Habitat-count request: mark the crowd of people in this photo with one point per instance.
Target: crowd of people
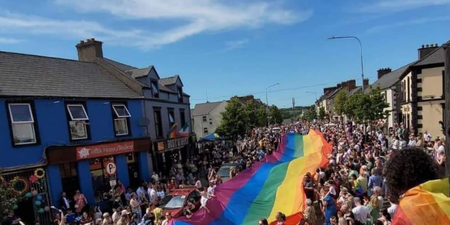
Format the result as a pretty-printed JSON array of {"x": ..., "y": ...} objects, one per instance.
[{"x": 367, "y": 173}]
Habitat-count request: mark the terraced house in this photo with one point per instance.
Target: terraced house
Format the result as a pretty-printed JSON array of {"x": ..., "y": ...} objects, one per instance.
[{"x": 85, "y": 124}]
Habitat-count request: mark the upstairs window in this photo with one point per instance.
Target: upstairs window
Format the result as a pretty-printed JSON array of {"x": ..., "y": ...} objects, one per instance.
[
  {"x": 204, "y": 118},
  {"x": 121, "y": 119},
  {"x": 182, "y": 118},
  {"x": 22, "y": 123},
  {"x": 155, "y": 89},
  {"x": 158, "y": 125},
  {"x": 205, "y": 130},
  {"x": 180, "y": 94},
  {"x": 78, "y": 121}
]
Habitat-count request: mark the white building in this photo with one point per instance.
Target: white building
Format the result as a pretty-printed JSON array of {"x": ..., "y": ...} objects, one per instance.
[{"x": 206, "y": 117}]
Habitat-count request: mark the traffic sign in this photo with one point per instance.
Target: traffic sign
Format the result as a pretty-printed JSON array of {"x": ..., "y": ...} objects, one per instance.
[{"x": 111, "y": 168}]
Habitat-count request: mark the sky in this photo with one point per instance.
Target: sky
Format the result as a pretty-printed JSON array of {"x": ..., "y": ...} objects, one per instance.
[{"x": 223, "y": 48}]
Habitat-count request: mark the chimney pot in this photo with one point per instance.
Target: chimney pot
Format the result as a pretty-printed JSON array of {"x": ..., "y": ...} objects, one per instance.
[
  {"x": 381, "y": 72},
  {"x": 423, "y": 46},
  {"x": 423, "y": 52},
  {"x": 81, "y": 42}
]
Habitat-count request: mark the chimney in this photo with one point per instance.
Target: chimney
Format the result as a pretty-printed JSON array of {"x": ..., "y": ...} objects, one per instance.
[
  {"x": 426, "y": 50},
  {"x": 366, "y": 83},
  {"x": 351, "y": 84},
  {"x": 383, "y": 71},
  {"x": 89, "y": 50}
]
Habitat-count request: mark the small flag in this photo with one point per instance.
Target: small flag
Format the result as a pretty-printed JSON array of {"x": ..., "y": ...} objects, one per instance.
[
  {"x": 173, "y": 131},
  {"x": 184, "y": 131}
]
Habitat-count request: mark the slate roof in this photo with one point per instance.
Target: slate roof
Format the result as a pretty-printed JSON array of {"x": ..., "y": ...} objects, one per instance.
[
  {"x": 169, "y": 80},
  {"x": 204, "y": 108},
  {"x": 118, "y": 65},
  {"x": 136, "y": 73},
  {"x": 30, "y": 75},
  {"x": 435, "y": 57},
  {"x": 389, "y": 79},
  {"x": 354, "y": 91},
  {"x": 333, "y": 93}
]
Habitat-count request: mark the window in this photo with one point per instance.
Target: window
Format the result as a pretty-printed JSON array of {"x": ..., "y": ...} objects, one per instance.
[
  {"x": 121, "y": 119},
  {"x": 204, "y": 118},
  {"x": 158, "y": 125},
  {"x": 78, "y": 121},
  {"x": 69, "y": 178},
  {"x": 155, "y": 89},
  {"x": 101, "y": 180},
  {"x": 171, "y": 118},
  {"x": 205, "y": 130},
  {"x": 22, "y": 123},
  {"x": 182, "y": 118},
  {"x": 180, "y": 94}
]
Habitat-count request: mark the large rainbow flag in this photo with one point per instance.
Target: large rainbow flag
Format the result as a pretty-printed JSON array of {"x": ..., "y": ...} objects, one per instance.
[
  {"x": 268, "y": 187},
  {"x": 428, "y": 203}
]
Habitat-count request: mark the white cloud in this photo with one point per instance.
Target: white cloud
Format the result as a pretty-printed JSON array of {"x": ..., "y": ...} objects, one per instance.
[
  {"x": 409, "y": 23},
  {"x": 200, "y": 16},
  {"x": 236, "y": 44},
  {"x": 398, "y": 5},
  {"x": 9, "y": 40}
]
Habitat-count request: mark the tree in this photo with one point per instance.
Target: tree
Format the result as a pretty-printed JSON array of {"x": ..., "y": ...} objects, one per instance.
[
  {"x": 366, "y": 108},
  {"x": 250, "y": 111},
  {"x": 234, "y": 121},
  {"x": 339, "y": 102},
  {"x": 275, "y": 115},
  {"x": 311, "y": 114},
  {"x": 261, "y": 116},
  {"x": 321, "y": 113}
]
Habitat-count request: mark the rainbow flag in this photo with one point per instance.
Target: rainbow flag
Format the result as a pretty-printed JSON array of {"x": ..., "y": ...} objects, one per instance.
[
  {"x": 428, "y": 203},
  {"x": 184, "y": 131},
  {"x": 173, "y": 131},
  {"x": 268, "y": 187}
]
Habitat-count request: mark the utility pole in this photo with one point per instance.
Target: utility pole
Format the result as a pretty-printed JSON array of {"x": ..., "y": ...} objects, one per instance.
[{"x": 447, "y": 107}]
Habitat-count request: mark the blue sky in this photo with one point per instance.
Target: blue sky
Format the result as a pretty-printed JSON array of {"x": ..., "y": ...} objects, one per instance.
[{"x": 223, "y": 48}]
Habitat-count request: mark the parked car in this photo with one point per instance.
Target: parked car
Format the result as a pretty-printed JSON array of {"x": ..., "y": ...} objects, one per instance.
[
  {"x": 224, "y": 171},
  {"x": 175, "y": 201}
]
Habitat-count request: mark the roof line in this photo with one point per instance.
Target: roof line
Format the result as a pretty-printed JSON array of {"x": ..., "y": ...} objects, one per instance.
[{"x": 43, "y": 56}]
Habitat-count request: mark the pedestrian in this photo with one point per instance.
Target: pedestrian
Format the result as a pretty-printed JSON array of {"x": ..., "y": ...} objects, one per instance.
[
  {"x": 280, "y": 218},
  {"x": 80, "y": 201},
  {"x": 309, "y": 213},
  {"x": 263, "y": 222},
  {"x": 360, "y": 212},
  {"x": 328, "y": 204}
]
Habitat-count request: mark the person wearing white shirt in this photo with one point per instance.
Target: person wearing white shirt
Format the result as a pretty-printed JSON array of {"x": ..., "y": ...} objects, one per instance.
[
  {"x": 155, "y": 177},
  {"x": 211, "y": 189},
  {"x": 140, "y": 191},
  {"x": 427, "y": 136},
  {"x": 204, "y": 200},
  {"x": 360, "y": 212},
  {"x": 391, "y": 210},
  {"x": 396, "y": 143},
  {"x": 151, "y": 193}
]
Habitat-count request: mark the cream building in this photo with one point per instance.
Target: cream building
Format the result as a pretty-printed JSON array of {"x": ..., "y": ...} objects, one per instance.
[
  {"x": 206, "y": 117},
  {"x": 423, "y": 92}
]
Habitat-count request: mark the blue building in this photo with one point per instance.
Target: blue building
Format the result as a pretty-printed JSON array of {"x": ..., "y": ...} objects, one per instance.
[{"x": 69, "y": 125}]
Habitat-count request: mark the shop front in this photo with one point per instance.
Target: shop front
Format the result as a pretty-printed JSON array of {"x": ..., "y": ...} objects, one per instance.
[
  {"x": 96, "y": 169},
  {"x": 169, "y": 152}
]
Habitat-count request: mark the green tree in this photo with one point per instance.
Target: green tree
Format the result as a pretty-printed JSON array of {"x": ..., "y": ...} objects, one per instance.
[
  {"x": 251, "y": 115},
  {"x": 322, "y": 113},
  {"x": 366, "y": 108},
  {"x": 234, "y": 121},
  {"x": 311, "y": 114},
  {"x": 275, "y": 115},
  {"x": 261, "y": 115},
  {"x": 339, "y": 102}
]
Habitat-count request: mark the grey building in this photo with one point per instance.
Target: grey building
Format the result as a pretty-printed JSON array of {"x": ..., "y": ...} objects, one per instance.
[{"x": 166, "y": 106}]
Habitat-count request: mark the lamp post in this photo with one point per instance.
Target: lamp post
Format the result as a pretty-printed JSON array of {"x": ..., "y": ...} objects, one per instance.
[
  {"x": 361, "y": 53},
  {"x": 267, "y": 101}
]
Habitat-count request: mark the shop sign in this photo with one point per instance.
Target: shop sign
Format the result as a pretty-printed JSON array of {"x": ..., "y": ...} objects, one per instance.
[
  {"x": 111, "y": 168},
  {"x": 177, "y": 143},
  {"x": 94, "y": 151}
]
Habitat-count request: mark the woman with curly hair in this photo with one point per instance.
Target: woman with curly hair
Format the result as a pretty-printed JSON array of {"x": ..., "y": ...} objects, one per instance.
[{"x": 408, "y": 168}]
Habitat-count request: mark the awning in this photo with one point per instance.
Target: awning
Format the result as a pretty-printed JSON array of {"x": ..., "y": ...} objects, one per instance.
[{"x": 212, "y": 137}]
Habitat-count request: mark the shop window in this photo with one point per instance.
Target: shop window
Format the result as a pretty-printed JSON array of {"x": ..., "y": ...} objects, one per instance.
[
  {"x": 155, "y": 89},
  {"x": 205, "y": 130},
  {"x": 121, "y": 119},
  {"x": 78, "y": 122},
  {"x": 158, "y": 125},
  {"x": 69, "y": 178},
  {"x": 182, "y": 118},
  {"x": 180, "y": 94},
  {"x": 171, "y": 118},
  {"x": 22, "y": 123},
  {"x": 103, "y": 174}
]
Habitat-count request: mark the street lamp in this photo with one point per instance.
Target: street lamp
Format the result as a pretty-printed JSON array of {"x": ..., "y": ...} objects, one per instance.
[
  {"x": 267, "y": 101},
  {"x": 361, "y": 52}
]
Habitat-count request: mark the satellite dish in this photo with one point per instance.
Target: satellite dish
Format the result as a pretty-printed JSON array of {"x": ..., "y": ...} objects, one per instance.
[{"x": 144, "y": 121}]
